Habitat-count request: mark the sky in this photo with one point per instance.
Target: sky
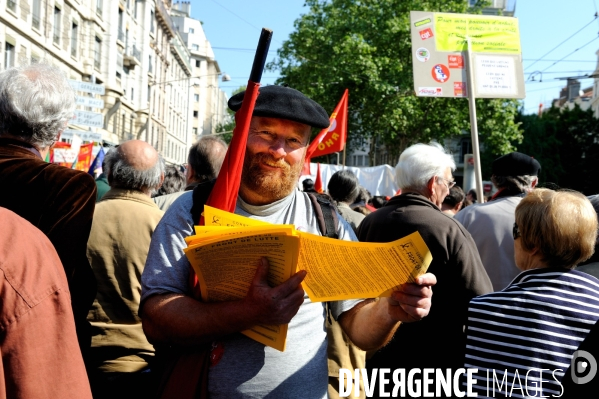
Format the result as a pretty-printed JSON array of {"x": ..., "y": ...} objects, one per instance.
[{"x": 559, "y": 39}]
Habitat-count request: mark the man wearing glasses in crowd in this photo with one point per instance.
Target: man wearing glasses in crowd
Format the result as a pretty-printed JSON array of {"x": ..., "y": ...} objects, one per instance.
[{"x": 424, "y": 175}]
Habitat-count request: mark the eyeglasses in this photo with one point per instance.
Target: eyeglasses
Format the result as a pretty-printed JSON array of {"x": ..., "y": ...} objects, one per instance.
[
  {"x": 448, "y": 183},
  {"x": 516, "y": 231}
]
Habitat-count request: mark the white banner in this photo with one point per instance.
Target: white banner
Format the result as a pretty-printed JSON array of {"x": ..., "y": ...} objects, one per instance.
[
  {"x": 89, "y": 102},
  {"x": 378, "y": 180},
  {"x": 86, "y": 87},
  {"x": 86, "y": 118},
  {"x": 84, "y": 134}
]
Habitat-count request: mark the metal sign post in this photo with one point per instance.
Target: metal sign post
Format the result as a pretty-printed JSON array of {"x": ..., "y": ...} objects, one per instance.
[{"x": 474, "y": 126}]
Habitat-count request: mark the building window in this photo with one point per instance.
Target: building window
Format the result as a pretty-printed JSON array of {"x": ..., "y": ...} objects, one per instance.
[
  {"x": 195, "y": 47},
  {"x": 9, "y": 55},
  {"x": 196, "y": 98},
  {"x": 121, "y": 33},
  {"x": 150, "y": 69},
  {"x": 74, "y": 39},
  {"x": 35, "y": 13},
  {"x": 57, "y": 25},
  {"x": 11, "y": 5},
  {"x": 195, "y": 130},
  {"x": 198, "y": 63},
  {"x": 191, "y": 30},
  {"x": 132, "y": 95},
  {"x": 97, "y": 52},
  {"x": 99, "y": 7},
  {"x": 195, "y": 114},
  {"x": 152, "y": 21}
]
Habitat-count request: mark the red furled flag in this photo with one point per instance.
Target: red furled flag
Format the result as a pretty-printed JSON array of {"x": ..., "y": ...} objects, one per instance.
[
  {"x": 318, "y": 183},
  {"x": 224, "y": 193},
  {"x": 226, "y": 188},
  {"x": 334, "y": 137}
]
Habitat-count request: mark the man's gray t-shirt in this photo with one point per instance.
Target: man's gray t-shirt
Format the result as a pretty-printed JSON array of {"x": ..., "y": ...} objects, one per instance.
[{"x": 248, "y": 368}]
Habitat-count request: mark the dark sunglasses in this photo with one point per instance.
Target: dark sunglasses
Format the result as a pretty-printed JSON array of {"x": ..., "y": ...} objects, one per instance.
[{"x": 516, "y": 231}]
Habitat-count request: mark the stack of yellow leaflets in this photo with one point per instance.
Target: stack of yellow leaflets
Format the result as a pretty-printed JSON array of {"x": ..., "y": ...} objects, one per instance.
[{"x": 225, "y": 255}]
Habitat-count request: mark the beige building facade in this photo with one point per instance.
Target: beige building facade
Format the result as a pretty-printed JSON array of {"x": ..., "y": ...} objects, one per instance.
[{"x": 132, "y": 52}]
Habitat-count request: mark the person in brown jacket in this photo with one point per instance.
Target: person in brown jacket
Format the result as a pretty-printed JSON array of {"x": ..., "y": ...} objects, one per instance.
[
  {"x": 36, "y": 103},
  {"x": 38, "y": 344}
]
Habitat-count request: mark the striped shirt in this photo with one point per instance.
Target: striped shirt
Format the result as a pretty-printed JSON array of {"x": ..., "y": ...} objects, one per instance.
[{"x": 521, "y": 339}]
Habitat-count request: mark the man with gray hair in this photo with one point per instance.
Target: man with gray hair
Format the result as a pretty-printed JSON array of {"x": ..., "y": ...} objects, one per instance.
[
  {"x": 204, "y": 161},
  {"x": 491, "y": 223},
  {"x": 36, "y": 104},
  {"x": 424, "y": 176},
  {"x": 118, "y": 245}
]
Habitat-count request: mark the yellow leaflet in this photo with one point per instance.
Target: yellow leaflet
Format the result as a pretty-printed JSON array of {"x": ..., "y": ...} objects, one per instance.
[
  {"x": 217, "y": 217},
  {"x": 226, "y": 266},
  {"x": 339, "y": 270},
  {"x": 208, "y": 233},
  {"x": 488, "y": 34}
]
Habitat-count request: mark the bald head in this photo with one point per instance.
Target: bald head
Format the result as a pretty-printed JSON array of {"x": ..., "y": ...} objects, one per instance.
[
  {"x": 205, "y": 159},
  {"x": 135, "y": 165},
  {"x": 138, "y": 154}
]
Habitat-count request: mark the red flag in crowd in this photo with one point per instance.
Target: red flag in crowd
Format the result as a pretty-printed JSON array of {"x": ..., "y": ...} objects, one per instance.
[
  {"x": 331, "y": 139},
  {"x": 318, "y": 183},
  {"x": 334, "y": 137}
]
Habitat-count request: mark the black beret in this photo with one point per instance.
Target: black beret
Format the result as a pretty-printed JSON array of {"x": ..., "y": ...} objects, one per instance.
[
  {"x": 285, "y": 103},
  {"x": 516, "y": 164}
]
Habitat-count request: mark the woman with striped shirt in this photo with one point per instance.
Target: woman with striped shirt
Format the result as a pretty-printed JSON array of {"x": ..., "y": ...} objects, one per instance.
[{"x": 522, "y": 339}]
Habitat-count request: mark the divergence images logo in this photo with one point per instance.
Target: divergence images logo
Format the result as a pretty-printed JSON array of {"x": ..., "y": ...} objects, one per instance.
[
  {"x": 440, "y": 73},
  {"x": 583, "y": 367}
]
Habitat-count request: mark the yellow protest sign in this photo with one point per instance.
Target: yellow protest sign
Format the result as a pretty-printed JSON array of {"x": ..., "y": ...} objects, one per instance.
[{"x": 488, "y": 34}]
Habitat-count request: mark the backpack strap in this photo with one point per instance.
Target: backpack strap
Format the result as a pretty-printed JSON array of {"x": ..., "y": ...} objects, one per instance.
[
  {"x": 326, "y": 214},
  {"x": 200, "y": 195}
]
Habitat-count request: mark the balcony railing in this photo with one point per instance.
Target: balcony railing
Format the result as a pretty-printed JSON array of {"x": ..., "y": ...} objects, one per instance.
[
  {"x": 163, "y": 13},
  {"x": 181, "y": 51}
]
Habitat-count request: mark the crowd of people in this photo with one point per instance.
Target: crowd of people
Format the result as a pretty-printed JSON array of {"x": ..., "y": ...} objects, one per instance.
[{"x": 98, "y": 299}]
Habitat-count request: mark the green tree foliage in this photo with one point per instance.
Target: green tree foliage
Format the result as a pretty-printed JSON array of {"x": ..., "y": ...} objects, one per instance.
[
  {"x": 566, "y": 143},
  {"x": 225, "y": 130},
  {"x": 365, "y": 46}
]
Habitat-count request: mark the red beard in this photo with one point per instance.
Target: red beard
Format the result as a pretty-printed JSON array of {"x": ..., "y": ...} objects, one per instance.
[{"x": 272, "y": 184}]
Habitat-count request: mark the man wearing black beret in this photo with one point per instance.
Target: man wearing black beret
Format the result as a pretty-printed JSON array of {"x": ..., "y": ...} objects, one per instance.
[
  {"x": 240, "y": 367},
  {"x": 491, "y": 223}
]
